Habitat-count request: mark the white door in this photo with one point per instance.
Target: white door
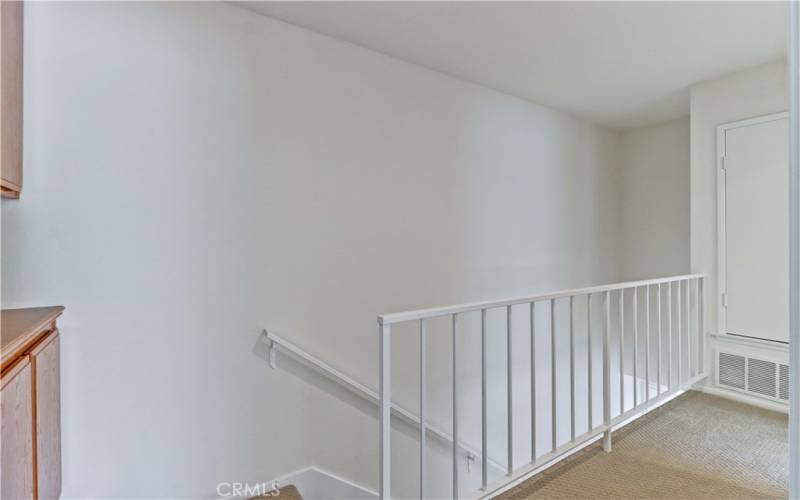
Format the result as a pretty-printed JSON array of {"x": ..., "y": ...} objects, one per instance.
[{"x": 756, "y": 232}]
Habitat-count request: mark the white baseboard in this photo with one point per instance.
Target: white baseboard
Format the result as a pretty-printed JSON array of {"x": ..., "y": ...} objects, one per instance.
[
  {"x": 743, "y": 398},
  {"x": 318, "y": 484}
]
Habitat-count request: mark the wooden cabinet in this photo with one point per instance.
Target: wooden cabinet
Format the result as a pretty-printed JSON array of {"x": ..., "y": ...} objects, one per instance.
[
  {"x": 30, "y": 408},
  {"x": 11, "y": 38},
  {"x": 47, "y": 401},
  {"x": 16, "y": 429}
]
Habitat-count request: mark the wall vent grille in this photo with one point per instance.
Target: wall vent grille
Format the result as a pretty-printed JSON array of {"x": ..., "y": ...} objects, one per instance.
[
  {"x": 731, "y": 370},
  {"x": 756, "y": 376},
  {"x": 783, "y": 382},
  {"x": 761, "y": 377}
]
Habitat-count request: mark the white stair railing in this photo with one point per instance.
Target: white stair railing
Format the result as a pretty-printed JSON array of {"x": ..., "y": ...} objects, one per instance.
[
  {"x": 278, "y": 344},
  {"x": 692, "y": 354}
]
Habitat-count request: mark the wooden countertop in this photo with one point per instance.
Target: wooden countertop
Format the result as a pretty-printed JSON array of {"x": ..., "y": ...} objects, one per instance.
[{"x": 21, "y": 328}]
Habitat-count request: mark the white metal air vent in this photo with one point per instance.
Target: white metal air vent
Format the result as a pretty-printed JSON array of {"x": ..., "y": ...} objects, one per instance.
[
  {"x": 755, "y": 376},
  {"x": 761, "y": 377},
  {"x": 783, "y": 382},
  {"x": 732, "y": 370}
]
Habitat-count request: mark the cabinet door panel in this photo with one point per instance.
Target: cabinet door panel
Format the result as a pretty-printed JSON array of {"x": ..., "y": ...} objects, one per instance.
[
  {"x": 48, "y": 416},
  {"x": 16, "y": 427},
  {"x": 11, "y": 94}
]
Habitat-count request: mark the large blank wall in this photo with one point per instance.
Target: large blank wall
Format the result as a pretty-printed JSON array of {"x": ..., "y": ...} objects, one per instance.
[
  {"x": 655, "y": 200},
  {"x": 195, "y": 172}
]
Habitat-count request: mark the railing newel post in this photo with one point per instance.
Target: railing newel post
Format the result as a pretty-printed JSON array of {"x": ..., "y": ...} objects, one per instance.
[
  {"x": 422, "y": 429},
  {"x": 385, "y": 373}
]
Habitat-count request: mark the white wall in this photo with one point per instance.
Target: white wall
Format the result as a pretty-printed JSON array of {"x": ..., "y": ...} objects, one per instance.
[
  {"x": 754, "y": 92},
  {"x": 655, "y": 200},
  {"x": 195, "y": 172}
]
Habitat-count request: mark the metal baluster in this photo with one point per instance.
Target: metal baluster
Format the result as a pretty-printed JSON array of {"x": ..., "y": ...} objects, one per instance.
[
  {"x": 702, "y": 332},
  {"x": 635, "y": 347},
  {"x": 533, "y": 382},
  {"x": 689, "y": 363},
  {"x": 510, "y": 392},
  {"x": 455, "y": 411},
  {"x": 660, "y": 339},
  {"x": 621, "y": 351},
  {"x": 572, "y": 367},
  {"x": 669, "y": 336},
  {"x": 589, "y": 356},
  {"x": 606, "y": 371},
  {"x": 680, "y": 332},
  {"x": 647, "y": 342},
  {"x": 553, "y": 371},
  {"x": 484, "y": 436}
]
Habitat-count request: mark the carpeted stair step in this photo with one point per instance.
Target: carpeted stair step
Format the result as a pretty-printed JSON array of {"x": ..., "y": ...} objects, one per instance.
[{"x": 288, "y": 492}]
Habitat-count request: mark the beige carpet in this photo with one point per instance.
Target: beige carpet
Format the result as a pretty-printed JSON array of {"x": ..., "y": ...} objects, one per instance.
[
  {"x": 286, "y": 493},
  {"x": 695, "y": 447}
]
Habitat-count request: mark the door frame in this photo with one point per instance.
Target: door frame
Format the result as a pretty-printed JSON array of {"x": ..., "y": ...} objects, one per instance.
[
  {"x": 793, "y": 56},
  {"x": 722, "y": 251}
]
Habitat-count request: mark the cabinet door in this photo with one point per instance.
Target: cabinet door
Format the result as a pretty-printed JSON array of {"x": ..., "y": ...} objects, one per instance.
[
  {"x": 46, "y": 369},
  {"x": 11, "y": 97},
  {"x": 16, "y": 429}
]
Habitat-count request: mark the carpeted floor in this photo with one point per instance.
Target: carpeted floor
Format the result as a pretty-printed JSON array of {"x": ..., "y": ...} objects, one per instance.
[{"x": 695, "y": 447}]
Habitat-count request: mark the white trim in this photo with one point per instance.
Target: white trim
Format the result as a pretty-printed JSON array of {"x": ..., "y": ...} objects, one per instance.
[
  {"x": 721, "y": 211},
  {"x": 749, "y": 342},
  {"x": 342, "y": 480},
  {"x": 780, "y": 115},
  {"x": 793, "y": 57},
  {"x": 721, "y": 238},
  {"x": 743, "y": 398}
]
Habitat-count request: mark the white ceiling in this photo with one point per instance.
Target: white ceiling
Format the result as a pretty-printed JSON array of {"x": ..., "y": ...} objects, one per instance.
[{"x": 620, "y": 64}]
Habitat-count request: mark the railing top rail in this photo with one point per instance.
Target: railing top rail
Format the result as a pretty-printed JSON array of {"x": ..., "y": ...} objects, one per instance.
[{"x": 399, "y": 317}]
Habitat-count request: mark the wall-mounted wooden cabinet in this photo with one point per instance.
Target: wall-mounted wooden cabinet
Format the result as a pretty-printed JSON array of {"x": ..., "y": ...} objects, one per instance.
[
  {"x": 30, "y": 404},
  {"x": 11, "y": 98}
]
